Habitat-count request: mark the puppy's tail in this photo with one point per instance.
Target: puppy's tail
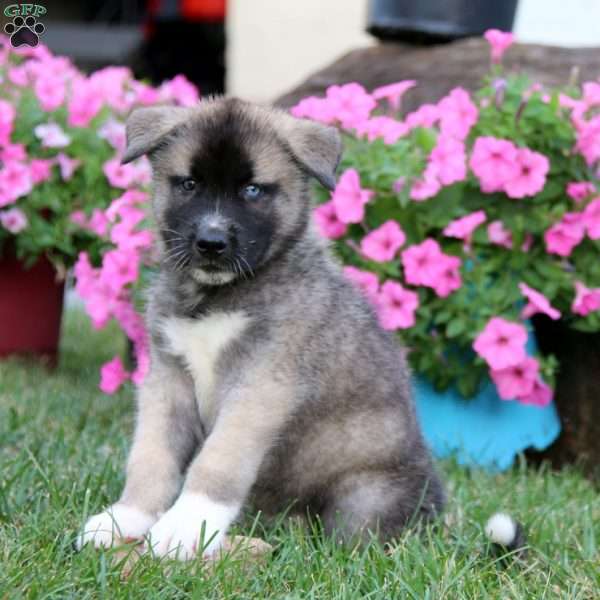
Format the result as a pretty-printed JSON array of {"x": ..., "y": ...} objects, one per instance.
[{"x": 506, "y": 533}]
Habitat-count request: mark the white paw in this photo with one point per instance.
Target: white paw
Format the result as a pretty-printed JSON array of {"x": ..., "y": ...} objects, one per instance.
[
  {"x": 117, "y": 523},
  {"x": 178, "y": 532}
]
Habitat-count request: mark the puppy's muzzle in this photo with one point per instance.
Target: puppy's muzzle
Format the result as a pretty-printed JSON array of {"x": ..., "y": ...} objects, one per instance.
[{"x": 211, "y": 243}]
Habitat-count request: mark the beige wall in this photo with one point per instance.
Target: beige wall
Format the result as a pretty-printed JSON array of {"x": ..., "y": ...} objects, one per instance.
[{"x": 275, "y": 44}]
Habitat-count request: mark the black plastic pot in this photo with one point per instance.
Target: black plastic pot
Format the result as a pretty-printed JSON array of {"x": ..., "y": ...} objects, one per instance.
[{"x": 435, "y": 21}]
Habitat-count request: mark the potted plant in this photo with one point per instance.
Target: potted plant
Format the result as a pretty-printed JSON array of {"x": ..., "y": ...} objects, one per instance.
[
  {"x": 61, "y": 133},
  {"x": 460, "y": 221}
]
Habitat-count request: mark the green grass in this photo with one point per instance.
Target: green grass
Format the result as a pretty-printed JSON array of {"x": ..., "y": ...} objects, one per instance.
[{"x": 62, "y": 450}]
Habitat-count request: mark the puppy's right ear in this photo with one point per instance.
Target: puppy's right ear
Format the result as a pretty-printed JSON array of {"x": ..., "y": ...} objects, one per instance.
[{"x": 147, "y": 127}]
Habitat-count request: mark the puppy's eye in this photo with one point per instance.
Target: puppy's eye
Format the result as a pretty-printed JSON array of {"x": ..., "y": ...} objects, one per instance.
[
  {"x": 188, "y": 185},
  {"x": 252, "y": 192}
]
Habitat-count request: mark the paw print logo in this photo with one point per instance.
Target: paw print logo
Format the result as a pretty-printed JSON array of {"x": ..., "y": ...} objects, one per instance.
[{"x": 24, "y": 32}]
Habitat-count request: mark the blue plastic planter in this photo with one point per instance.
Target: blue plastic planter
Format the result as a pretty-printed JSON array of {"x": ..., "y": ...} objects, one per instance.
[{"x": 484, "y": 431}]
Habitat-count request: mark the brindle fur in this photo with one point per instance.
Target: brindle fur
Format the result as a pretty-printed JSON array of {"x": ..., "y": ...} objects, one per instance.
[{"x": 310, "y": 403}]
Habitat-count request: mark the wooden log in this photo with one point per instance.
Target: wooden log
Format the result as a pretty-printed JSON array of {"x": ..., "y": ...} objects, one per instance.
[{"x": 438, "y": 69}]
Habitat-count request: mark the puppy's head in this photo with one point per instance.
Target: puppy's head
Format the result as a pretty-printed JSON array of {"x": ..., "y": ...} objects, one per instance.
[{"x": 230, "y": 182}]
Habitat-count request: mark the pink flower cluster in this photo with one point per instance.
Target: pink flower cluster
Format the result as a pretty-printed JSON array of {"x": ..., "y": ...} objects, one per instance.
[
  {"x": 382, "y": 244},
  {"x": 347, "y": 205},
  {"x": 74, "y": 108},
  {"x": 56, "y": 82},
  {"x": 447, "y": 162},
  {"x": 395, "y": 305},
  {"x": 20, "y": 173},
  {"x": 105, "y": 289},
  {"x": 426, "y": 265},
  {"x": 464, "y": 227},
  {"x": 502, "y": 167},
  {"x": 562, "y": 237},
  {"x": 586, "y": 120},
  {"x": 350, "y": 105},
  {"x": 516, "y": 376}
]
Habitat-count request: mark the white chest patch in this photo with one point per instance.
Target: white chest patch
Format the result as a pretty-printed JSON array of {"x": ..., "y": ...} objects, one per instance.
[{"x": 200, "y": 342}]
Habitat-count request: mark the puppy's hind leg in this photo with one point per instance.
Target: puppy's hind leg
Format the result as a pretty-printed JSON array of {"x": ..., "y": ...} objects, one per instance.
[{"x": 379, "y": 503}]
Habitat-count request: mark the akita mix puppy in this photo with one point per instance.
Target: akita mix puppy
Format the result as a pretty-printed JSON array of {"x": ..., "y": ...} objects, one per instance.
[{"x": 271, "y": 382}]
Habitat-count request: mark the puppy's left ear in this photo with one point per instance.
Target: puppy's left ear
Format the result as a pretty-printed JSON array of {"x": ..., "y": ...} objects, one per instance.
[{"x": 317, "y": 147}]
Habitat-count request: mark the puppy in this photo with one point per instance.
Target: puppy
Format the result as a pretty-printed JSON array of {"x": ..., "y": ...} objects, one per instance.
[{"x": 271, "y": 382}]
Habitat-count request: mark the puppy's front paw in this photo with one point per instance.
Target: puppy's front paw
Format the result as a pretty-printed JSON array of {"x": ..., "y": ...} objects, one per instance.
[
  {"x": 117, "y": 523},
  {"x": 178, "y": 533}
]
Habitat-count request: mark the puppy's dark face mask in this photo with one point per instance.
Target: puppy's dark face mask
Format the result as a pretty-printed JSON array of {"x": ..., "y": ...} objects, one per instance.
[{"x": 230, "y": 183}]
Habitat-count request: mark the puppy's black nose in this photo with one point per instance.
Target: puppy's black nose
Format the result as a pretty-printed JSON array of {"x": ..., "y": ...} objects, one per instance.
[{"x": 211, "y": 242}]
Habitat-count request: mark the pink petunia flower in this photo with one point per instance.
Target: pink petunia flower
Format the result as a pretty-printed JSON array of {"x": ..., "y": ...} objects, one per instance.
[
  {"x": 501, "y": 343},
  {"x": 317, "y": 109},
  {"x": 79, "y": 218},
  {"x": 327, "y": 221},
  {"x": 541, "y": 395},
  {"x": 112, "y": 375},
  {"x": 50, "y": 91},
  {"x": 464, "y": 227},
  {"x": 366, "y": 281},
  {"x": 396, "y": 306},
  {"x": 517, "y": 380},
  {"x": 448, "y": 279},
  {"x": 15, "y": 181},
  {"x": 586, "y": 300},
  {"x": 67, "y": 165},
  {"x": 85, "y": 103},
  {"x": 580, "y": 190},
  {"x": 180, "y": 90},
  {"x": 421, "y": 263},
  {"x": 588, "y": 138},
  {"x": 426, "y": 115},
  {"x": 499, "y": 41},
  {"x": 382, "y": 243},
  {"x": 98, "y": 222},
  {"x": 11, "y": 152},
  {"x": 531, "y": 178},
  {"x": 19, "y": 75},
  {"x": 398, "y": 185},
  {"x": 119, "y": 268},
  {"x": 450, "y": 160},
  {"x": 14, "y": 220},
  {"x": 499, "y": 235},
  {"x": 118, "y": 175},
  {"x": 591, "y": 219},
  {"x": 52, "y": 135},
  {"x": 350, "y": 103},
  {"x": 349, "y": 198},
  {"x": 119, "y": 205},
  {"x": 143, "y": 93},
  {"x": 562, "y": 237},
  {"x": 113, "y": 132},
  {"x": 382, "y": 127},
  {"x": 457, "y": 114},
  {"x": 537, "y": 303},
  {"x": 393, "y": 93},
  {"x": 426, "y": 188},
  {"x": 494, "y": 162},
  {"x": 40, "y": 169},
  {"x": 7, "y": 117}
]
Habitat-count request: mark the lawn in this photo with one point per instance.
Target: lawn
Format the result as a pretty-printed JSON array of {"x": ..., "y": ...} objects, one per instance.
[{"x": 62, "y": 450}]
